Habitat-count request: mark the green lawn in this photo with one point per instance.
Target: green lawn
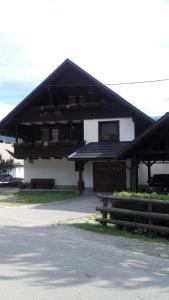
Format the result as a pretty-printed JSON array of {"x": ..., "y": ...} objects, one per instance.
[
  {"x": 35, "y": 197},
  {"x": 90, "y": 224}
]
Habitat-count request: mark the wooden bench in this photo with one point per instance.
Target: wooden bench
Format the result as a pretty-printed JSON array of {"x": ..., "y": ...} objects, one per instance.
[{"x": 42, "y": 183}]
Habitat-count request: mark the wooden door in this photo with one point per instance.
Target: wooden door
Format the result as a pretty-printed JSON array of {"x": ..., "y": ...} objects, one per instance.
[{"x": 109, "y": 176}]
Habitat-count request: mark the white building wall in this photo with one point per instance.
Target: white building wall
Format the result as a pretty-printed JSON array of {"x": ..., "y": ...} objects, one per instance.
[
  {"x": 17, "y": 172},
  {"x": 126, "y": 129},
  {"x": 61, "y": 170},
  {"x": 157, "y": 168}
]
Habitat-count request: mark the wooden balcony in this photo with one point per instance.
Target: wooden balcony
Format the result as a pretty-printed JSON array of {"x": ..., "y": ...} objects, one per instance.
[
  {"x": 58, "y": 113},
  {"x": 46, "y": 150}
]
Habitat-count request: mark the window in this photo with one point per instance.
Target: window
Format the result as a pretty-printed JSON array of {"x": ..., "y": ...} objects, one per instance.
[
  {"x": 72, "y": 100},
  {"x": 44, "y": 134},
  {"x": 109, "y": 131},
  {"x": 55, "y": 135}
]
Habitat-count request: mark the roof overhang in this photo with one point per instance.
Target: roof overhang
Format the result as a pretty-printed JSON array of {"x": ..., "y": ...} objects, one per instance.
[
  {"x": 136, "y": 147},
  {"x": 98, "y": 151}
]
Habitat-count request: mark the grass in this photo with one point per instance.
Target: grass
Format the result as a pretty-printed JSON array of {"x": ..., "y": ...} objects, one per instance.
[
  {"x": 90, "y": 224},
  {"x": 142, "y": 195},
  {"x": 35, "y": 197}
]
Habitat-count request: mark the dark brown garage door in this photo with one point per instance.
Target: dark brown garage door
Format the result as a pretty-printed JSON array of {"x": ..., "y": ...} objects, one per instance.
[{"x": 109, "y": 177}]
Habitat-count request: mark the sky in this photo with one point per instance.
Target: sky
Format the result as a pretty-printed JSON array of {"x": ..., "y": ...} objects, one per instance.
[{"x": 115, "y": 41}]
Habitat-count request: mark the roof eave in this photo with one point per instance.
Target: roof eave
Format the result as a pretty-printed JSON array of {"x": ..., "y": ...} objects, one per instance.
[{"x": 129, "y": 149}]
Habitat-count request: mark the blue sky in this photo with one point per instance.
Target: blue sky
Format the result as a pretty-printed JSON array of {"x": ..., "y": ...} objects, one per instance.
[{"x": 114, "y": 40}]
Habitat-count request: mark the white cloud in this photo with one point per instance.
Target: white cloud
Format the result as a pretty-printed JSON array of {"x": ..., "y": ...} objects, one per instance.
[
  {"x": 113, "y": 40},
  {"x": 152, "y": 98},
  {"x": 5, "y": 109}
]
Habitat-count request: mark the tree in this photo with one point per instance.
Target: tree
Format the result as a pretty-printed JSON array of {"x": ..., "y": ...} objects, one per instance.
[{"x": 6, "y": 165}]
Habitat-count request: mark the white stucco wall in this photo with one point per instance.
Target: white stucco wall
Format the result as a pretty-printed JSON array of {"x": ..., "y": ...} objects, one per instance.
[
  {"x": 18, "y": 172},
  {"x": 157, "y": 168},
  {"x": 126, "y": 129},
  {"x": 61, "y": 170}
]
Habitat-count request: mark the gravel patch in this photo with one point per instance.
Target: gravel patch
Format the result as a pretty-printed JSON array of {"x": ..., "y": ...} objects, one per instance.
[{"x": 153, "y": 248}]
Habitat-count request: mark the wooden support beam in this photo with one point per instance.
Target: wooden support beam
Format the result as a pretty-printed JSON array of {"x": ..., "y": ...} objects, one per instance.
[
  {"x": 81, "y": 182},
  {"x": 122, "y": 211},
  {"x": 161, "y": 229},
  {"x": 159, "y": 152},
  {"x": 70, "y": 130},
  {"x": 134, "y": 175},
  {"x": 149, "y": 164}
]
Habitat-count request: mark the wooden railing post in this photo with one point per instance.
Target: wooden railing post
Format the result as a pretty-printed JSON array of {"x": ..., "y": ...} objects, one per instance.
[
  {"x": 149, "y": 218},
  {"x": 104, "y": 214},
  {"x": 117, "y": 214}
]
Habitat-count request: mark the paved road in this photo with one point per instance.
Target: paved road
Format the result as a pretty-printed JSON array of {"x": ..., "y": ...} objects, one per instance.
[
  {"x": 47, "y": 214},
  {"x": 45, "y": 261}
]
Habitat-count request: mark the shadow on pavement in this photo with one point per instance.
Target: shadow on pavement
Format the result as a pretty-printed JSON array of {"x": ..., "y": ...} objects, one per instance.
[{"x": 62, "y": 256}]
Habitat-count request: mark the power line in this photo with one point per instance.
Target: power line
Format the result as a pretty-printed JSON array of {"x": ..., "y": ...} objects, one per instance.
[{"x": 138, "y": 82}]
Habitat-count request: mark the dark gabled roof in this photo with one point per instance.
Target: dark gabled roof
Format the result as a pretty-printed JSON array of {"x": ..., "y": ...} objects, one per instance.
[
  {"x": 54, "y": 75},
  {"x": 144, "y": 137},
  {"x": 100, "y": 150}
]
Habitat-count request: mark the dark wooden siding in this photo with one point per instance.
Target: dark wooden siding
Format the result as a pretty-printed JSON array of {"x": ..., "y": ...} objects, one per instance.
[
  {"x": 70, "y": 75},
  {"x": 57, "y": 150}
]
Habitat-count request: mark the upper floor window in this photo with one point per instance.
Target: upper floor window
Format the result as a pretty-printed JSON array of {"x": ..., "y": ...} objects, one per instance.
[
  {"x": 44, "y": 134},
  {"x": 55, "y": 135},
  {"x": 73, "y": 100},
  {"x": 49, "y": 134},
  {"x": 109, "y": 131}
]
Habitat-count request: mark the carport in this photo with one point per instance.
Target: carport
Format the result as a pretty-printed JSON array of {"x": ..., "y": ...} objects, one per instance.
[{"x": 150, "y": 147}]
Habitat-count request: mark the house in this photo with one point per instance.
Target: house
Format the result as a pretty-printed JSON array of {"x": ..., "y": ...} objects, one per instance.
[
  {"x": 72, "y": 128},
  {"x": 6, "y": 152}
]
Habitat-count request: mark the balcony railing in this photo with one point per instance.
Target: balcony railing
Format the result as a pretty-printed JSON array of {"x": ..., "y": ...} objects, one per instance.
[
  {"x": 57, "y": 113},
  {"x": 46, "y": 150}
]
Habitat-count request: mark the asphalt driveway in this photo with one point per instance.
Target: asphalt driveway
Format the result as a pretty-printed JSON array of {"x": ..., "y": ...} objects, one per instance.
[
  {"x": 47, "y": 214},
  {"x": 45, "y": 261}
]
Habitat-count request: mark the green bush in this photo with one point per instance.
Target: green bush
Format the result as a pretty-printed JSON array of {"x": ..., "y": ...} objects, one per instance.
[{"x": 142, "y": 195}]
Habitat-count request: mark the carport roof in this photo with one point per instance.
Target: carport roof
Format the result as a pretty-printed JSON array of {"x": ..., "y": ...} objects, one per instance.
[
  {"x": 100, "y": 150},
  {"x": 149, "y": 136}
]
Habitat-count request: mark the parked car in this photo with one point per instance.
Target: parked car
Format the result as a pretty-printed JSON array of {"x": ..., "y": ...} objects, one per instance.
[
  {"x": 6, "y": 178},
  {"x": 158, "y": 183}
]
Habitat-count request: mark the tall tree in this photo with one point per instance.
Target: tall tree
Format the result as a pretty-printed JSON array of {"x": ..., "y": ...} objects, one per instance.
[{"x": 6, "y": 165}]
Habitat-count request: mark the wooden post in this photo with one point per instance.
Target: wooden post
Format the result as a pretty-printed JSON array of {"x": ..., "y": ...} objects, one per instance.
[
  {"x": 134, "y": 175},
  {"x": 149, "y": 219},
  {"x": 104, "y": 214},
  {"x": 149, "y": 164},
  {"x": 149, "y": 170},
  {"x": 81, "y": 182},
  {"x": 150, "y": 210},
  {"x": 70, "y": 130}
]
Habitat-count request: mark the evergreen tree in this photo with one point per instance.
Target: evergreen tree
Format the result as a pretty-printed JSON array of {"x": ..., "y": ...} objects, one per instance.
[{"x": 6, "y": 165}]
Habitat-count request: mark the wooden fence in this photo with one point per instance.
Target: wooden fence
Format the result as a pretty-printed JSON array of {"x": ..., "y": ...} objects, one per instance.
[{"x": 153, "y": 216}]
